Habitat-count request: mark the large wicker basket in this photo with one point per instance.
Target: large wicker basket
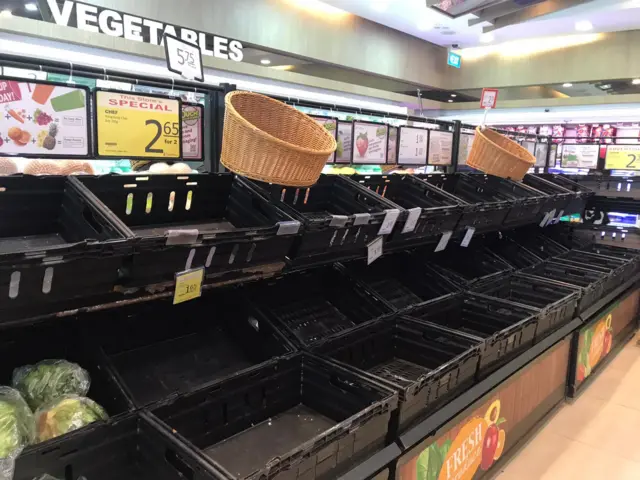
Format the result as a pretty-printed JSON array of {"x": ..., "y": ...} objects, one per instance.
[
  {"x": 267, "y": 140},
  {"x": 497, "y": 155}
]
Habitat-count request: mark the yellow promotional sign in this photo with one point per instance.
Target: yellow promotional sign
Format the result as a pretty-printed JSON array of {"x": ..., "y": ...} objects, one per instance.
[
  {"x": 130, "y": 125},
  {"x": 188, "y": 285},
  {"x": 622, "y": 157}
]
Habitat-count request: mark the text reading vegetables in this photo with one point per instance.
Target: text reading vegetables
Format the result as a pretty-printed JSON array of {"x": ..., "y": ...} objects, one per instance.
[{"x": 43, "y": 119}]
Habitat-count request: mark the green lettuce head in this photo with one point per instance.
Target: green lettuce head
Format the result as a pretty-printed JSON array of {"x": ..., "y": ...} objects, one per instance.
[
  {"x": 17, "y": 425},
  {"x": 65, "y": 415}
]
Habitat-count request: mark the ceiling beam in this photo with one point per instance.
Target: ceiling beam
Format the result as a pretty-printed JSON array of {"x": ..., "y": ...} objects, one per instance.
[{"x": 534, "y": 11}]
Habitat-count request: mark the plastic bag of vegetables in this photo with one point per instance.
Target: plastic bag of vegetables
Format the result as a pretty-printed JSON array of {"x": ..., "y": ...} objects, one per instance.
[
  {"x": 49, "y": 380},
  {"x": 17, "y": 429},
  {"x": 66, "y": 414}
]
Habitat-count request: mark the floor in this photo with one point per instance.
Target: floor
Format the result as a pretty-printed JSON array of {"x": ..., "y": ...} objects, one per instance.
[{"x": 596, "y": 436}]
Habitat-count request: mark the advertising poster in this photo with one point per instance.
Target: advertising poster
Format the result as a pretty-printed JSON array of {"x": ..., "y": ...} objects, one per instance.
[
  {"x": 331, "y": 126},
  {"x": 192, "y": 139},
  {"x": 345, "y": 136},
  {"x": 530, "y": 146},
  {"x": 440, "y": 148},
  {"x": 580, "y": 156},
  {"x": 43, "y": 119},
  {"x": 392, "y": 148},
  {"x": 138, "y": 126},
  {"x": 370, "y": 143},
  {"x": 466, "y": 142},
  {"x": 553, "y": 156},
  {"x": 622, "y": 157},
  {"x": 541, "y": 150},
  {"x": 414, "y": 143}
]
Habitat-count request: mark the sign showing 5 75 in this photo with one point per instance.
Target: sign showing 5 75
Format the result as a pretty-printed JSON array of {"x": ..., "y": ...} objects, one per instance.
[{"x": 183, "y": 58}]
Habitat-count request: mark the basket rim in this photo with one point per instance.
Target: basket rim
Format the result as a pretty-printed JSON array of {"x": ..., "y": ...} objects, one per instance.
[
  {"x": 481, "y": 133},
  {"x": 268, "y": 136}
]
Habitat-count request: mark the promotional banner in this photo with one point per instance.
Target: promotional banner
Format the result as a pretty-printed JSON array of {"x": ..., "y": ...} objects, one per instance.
[
  {"x": 530, "y": 146},
  {"x": 622, "y": 157},
  {"x": 192, "y": 139},
  {"x": 43, "y": 119},
  {"x": 541, "y": 150},
  {"x": 370, "y": 143},
  {"x": 466, "y": 142},
  {"x": 345, "y": 136},
  {"x": 580, "y": 156},
  {"x": 331, "y": 126},
  {"x": 414, "y": 143},
  {"x": 440, "y": 147},
  {"x": 138, "y": 126}
]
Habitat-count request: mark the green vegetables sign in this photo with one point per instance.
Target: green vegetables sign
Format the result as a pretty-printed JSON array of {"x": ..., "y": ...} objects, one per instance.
[{"x": 431, "y": 460}]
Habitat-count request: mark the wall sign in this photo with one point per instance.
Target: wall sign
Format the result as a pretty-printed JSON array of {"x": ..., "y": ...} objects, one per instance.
[
  {"x": 440, "y": 147},
  {"x": 192, "y": 138},
  {"x": 622, "y": 157},
  {"x": 344, "y": 141},
  {"x": 541, "y": 150},
  {"x": 580, "y": 156},
  {"x": 454, "y": 60},
  {"x": 466, "y": 142},
  {"x": 330, "y": 125},
  {"x": 43, "y": 119},
  {"x": 369, "y": 142},
  {"x": 183, "y": 58},
  {"x": 92, "y": 18},
  {"x": 414, "y": 143},
  {"x": 392, "y": 147},
  {"x": 138, "y": 126}
]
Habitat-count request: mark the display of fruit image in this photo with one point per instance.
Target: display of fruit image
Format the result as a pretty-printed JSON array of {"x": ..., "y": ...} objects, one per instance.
[
  {"x": 362, "y": 144},
  {"x": 594, "y": 344}
]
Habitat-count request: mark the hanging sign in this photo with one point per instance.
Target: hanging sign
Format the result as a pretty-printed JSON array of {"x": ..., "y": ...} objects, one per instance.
[
  {"x": 43, "y": 119},
  {"x": 622, "y": 157},
  {"x": 183, "y": 58},
  {"x": 138, "y": 126},
  {"x": 580, "y": 156},
  {"x": 489, "y": 98},
  {"x": 466, "y": 142},
  {"x": 192, "y": 138},
  {"x": 413, "y": 146},
  {"x": 392, "y": 146},
  {"x": 440, "y": 147},
  {"x": 370, "y": 143},
  {"x": 454, "y": 60},
  {"x": 343, "y": 151},
  {"x": 330, "y": 125},
  {"x": 541, "y": 150}
]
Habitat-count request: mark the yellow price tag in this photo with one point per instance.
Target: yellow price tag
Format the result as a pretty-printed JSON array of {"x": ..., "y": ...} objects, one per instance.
[
  {"x": 622, "y": 157},
  {"x": 188, "y": 285},
  {"x": 138, "y": 126}
]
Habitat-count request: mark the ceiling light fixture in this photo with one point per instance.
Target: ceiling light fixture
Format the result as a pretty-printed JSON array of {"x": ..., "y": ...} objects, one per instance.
[
  {"x": 605, "y": 87},
  {"x": 636, "y": 81},
  {"x": 454, "y": 95},
  {"x": 567, "y": 85},
  {"x": 31, "y": 7},
  {"x": 584, "y": 26},
  {"x": 6, "y": 13},
  {"x": 487, "y": 38},
  {"x": 450, "y": 101},
  {"x": 265, "y": 61}
]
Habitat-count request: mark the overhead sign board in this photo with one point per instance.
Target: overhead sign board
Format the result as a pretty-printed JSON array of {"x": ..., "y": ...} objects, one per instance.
[
  {"x": 183, "y": 58},
  {"x": 454, "y": 60}
]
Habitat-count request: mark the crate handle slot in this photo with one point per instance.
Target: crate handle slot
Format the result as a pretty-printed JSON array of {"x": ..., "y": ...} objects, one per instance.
[
  {"x": 344, "y": 384},
  {"x": 179, "y": 464},
  {"x": 87, "y": 214}
]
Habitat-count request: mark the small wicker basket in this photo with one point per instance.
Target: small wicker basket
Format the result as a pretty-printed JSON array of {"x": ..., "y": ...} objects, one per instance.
[
  {"x": 498, "y": 155},
  {"x": 267, "y": 140}
]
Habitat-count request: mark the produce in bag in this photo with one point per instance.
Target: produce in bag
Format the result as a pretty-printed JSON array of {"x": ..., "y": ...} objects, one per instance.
[
  {"x": 48, "y": 380},
  {"x": 65, "y": 415},
  {"x": 17, "y": 429}
]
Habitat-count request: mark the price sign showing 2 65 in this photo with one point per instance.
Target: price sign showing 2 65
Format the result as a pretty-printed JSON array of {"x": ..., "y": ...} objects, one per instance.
[{"x": 138, "y": 126}]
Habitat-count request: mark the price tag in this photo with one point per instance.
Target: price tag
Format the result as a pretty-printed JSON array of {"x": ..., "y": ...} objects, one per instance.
[
  {"x": 444, "y": 240},
  {"x": 468, "y": 236},
  {"x": 622, "y": 157},
  {"x": 374, "y": 250},
  {"x": 545, "y": 219},
  {"x": 138, "y": 126},
  {"x": 412, "y": 220},
  {"x": 183, "y": 58},
  {"x": 389, "y": 221},
  {"x": 188, "y": 285},
  {"x": 552, "y": 215}
]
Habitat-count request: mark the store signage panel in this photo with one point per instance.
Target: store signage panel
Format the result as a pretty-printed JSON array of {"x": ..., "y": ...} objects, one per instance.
[
  {"x": 192, "y": 138},
  {"x": 330, "y": 124},
  {"x": 541, "y": 150},
  {"x": 414, "y": 143},
  {"x": 43, "y": 119},
  {"x": 489, "y": 98},
  {"x": 622, "y": 157},
  {"x": 92, "y": 18},
  {"x": 344, "y": 149},
  {"x": 369, "y": 142},
  {"x": 580, "y": 156},
  {"x": 440, "y": 148},
  {"x": 392, "y": 147},
  {"x": 466, "y": 142},
  {"x": 138, "y": 126},
  {"x": 183, "y": 58},
  {"x": 454, "y": 60}
]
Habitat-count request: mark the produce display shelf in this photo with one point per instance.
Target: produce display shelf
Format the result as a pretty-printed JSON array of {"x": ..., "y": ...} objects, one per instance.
[
  {"x": 582, "y": 193},
  {"x": 538, "y": 243},
  {"x": 559, "y": 197},
  {"x": 512, "y": 252}
]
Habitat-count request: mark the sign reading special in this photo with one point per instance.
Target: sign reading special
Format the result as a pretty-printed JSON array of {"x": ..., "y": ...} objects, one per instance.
[
  {"x": 330, "y": 124},
  {"x": 370, "y": 143},
  {"x": 413, "y": 146},
  {"x": 43, "y": 119},
  {"x": 580, "y": 156},
  {"x": 344, "y": 139},
  {"x": 440, "y": 148},
  {"x": 138, "y": 126},
  {"x": 622, "y": 157},
  {"x": 192, "y": 138}
]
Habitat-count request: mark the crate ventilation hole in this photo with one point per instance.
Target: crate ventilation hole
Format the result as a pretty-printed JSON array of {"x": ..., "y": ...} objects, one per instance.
[
  {"x": 149, "y": 202},
  {"x": 14, "y": 283}
]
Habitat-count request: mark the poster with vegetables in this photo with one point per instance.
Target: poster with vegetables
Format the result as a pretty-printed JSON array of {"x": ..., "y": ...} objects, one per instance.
[
  {"x": 466, "y": 142},
  {"x": 580, "y": 156},
  {"x": 392, "y": 147},
  {"x": 43, "y": 119},
  {"x": 414, "y": 143},
  {"x": 331, "y": 126},
  {"x": 344, "y": 139},
  {"x": 541, "y": 154},
  {"x": 594, "y": 343},
  {"x": 370, "y": 143},
  {"x": 192, "y": 139},
  {"x": 440, "y": 147}
]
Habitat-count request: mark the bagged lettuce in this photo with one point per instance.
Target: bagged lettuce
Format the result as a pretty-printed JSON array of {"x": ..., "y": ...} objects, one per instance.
[
  {"x": 17, "y": 429},
  {"x": 48, "y": 380},
  {"x": 66, "y": 414}
]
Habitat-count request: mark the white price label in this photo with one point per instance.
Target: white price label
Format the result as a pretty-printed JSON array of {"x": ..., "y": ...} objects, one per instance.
[
  {"x": 412, "y": 220},
  {"x": 374, "y": 250},
  {"x": 183, "y": 58},
  {"x": 389, "y": 221},
  {"x": 444, "y": 241},
  {"x": 468, "y": 236},
  {"x": 552, "y": 215},
  {"x": 545, "y": 219}
]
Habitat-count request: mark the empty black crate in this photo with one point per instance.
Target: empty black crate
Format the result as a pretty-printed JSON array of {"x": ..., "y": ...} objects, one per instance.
[
  {"x": 424, "y": 364},
  {"x": 339, "y": 217},
  {"x": 513, "y": 253},
  {"x": 558, "y": 197},
  {"x": 629, "y": 254},
  {"x": 396, "y": 281},
  {"x": 131, "y": 448},
  {"x": 556, "y": 302},
  {"x": 618, "y": 269},
  {"x": 609, "y": 185},
  {"x": 486, "y": 209},
  {"x": 187, "y": 221},
  {"x": 505, "y": 328},
  {"x": 49, "y": 248},
  {"x": 302, "y": 418},
  {"x": 537, "y": 243},
  {"x": 439, "y": 211},
  {"x": 582, "y": 194},
  {"x": 311, "y": 306},
  {"x": 158, "y": 350}
]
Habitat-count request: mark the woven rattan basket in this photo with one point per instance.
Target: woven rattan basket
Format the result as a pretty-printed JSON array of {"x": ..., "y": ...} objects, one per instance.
[
  {"x": 497, "y": 155},
  {"x": 267, "y": 140}
]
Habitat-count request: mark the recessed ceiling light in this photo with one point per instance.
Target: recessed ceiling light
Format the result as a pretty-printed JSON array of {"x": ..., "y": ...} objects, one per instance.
[
  {"x": 605, "y": 87},
  {"x": 6, "y": 13},
  {"x": 450, "y": 101},
  {"x": 584, "y": 26},
  {"x": 486, "y": 38},
  {"x": 265, "y": 61},
  {"x": 32, "y": 7},
  {"x": 379, "y": 5},
  {"x": 636, "y": 81},
  {"x": 567, "y": 85},
  {"x": 454, "y": 95}
]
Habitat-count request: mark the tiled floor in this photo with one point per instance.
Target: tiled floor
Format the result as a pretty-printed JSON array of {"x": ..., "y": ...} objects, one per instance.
[{"x": 595, "y": 437}]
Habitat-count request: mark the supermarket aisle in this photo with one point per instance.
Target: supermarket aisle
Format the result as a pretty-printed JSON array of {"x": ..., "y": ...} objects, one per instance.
[{"x": 596, "y": 437}]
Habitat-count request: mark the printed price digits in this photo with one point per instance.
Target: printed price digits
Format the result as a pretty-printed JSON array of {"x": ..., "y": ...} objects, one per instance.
[
  {"x": 170, "y": 129},
  {"x": 419, "y": 138},
  {"x": 633, "y": 159},
  {"x": 419, "y": 152},
  {"x": 185, "y": 57}
]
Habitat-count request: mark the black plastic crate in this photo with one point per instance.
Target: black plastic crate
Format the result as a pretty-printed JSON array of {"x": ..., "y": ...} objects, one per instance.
[
  {"x": 180, "y": 222},
  {"x": 303, "y": 418},
  {"x": 537, "y": 243},
  {"x": 312, "y": 306},
  {"x": 339, "y": 217},
  {"x": 439, "y": 211},
  {"x": 504, "y": 327},
  {"x": 130, "y": 448},
  {"x": 577, "y": 204},
  {"x": 49, "y": 244},
  {"x": 158, "y": 350},
  {"x": 557, "y": 303},
  {"x": 559, "y": 197},
  {"x": 610, "y": 185},
  {"x": 630, "y": 254},
  {"x": 618, "y": 269},
  {"x": 513, "y": 253},
  {"x": 425, "y": 365},
  {"x": 591, "y": 282},
  {"x": 486, "y": 209},
  {"x": 396, "y": 282}
]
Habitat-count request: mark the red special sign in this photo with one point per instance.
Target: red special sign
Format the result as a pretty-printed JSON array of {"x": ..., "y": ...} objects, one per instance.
[{"x": 489, "y": 98}]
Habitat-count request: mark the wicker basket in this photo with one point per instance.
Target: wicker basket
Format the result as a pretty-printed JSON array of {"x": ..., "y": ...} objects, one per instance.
[
  {"x": 267, "y": 140},
  {"x": 497, "y": 155}
]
